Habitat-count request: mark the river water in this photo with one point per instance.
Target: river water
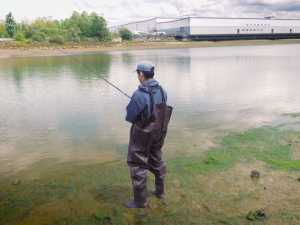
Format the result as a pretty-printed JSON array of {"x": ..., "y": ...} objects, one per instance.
[{"x": 56, "y": 116}]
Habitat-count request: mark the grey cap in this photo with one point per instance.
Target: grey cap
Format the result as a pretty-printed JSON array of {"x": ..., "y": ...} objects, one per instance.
[{"x": 144, "y": 66}]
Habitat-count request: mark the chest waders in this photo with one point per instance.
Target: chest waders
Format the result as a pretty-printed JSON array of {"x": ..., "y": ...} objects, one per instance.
[{"x": 147, "y": 137}]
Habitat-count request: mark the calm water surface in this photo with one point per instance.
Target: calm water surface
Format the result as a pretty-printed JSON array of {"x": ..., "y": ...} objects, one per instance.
[{"x": 55, "y": 116}]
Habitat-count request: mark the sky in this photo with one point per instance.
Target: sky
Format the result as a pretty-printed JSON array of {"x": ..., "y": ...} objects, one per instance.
[{"x": 121, "y": 11}]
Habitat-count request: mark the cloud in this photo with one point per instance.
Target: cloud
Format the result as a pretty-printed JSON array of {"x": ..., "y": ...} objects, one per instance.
[
  {"x": 127, "y": 10},
  {"x": 122, "y": 11},
  {"x": 197, "y": 6},
  {"x": 274, "y": 5}
]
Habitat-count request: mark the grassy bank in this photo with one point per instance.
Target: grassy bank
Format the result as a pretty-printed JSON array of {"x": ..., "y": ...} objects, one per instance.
[
  {"x": 70, "y": 45},
  {"x": 213, "y": 188},
  {"x": 51, "y": 46}
]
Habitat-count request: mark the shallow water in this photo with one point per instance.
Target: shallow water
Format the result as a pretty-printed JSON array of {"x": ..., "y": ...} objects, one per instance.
[{"x": 58, "y": 117}]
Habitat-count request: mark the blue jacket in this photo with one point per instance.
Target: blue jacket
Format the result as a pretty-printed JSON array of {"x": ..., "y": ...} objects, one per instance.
[{"x": 141, "y": 101}]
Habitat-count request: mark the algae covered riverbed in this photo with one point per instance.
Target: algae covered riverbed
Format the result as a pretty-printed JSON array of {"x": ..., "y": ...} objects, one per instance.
[{"x": 214, "y": 187}]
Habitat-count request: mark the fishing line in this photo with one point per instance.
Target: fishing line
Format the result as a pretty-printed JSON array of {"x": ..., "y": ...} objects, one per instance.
[{"x": 94, "y": 73}]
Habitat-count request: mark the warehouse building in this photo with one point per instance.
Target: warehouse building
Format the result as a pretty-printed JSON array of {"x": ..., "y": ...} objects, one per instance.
[
  {"x": 145, "y": 25},
  {"x": 193, "y": 27}
]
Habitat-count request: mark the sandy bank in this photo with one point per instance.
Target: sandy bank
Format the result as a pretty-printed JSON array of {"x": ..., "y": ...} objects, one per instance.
[{"x": 146, "y": 45}]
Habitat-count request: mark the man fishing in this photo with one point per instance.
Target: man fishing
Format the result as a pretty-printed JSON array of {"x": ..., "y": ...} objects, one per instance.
[{"x": 149, "y": 115}]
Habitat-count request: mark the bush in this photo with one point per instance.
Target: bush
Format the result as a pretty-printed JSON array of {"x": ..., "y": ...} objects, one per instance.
[
  {"x": 87, "y": 39},
  {"x": 19, "y": 36},
  {"x": 125, "y": 34},
  {"x": 39, "y": 37},
  {"x": 4, "y": 35},
  {"x": 28, "y": 41},
  {"x": 57, "y": 39},
  {"x": 113, "y": 35},
  {"x": 76, "y": 39},
  {"x": 73, "y": 34},
  {"x": 30, "y": 32},
  {"x": 3, "y": 32},
  {"x": 84, "y": 39}
]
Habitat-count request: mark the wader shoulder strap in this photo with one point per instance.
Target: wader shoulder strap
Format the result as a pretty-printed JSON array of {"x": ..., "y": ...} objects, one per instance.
[
  {"x": 151, "y": 93},
  {"x": 162, "y": 94}
]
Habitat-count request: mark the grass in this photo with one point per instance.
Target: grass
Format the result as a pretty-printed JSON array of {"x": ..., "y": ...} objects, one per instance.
[
  {"x": 206, "y": 188},
  {"x": 267, "y": 144}
]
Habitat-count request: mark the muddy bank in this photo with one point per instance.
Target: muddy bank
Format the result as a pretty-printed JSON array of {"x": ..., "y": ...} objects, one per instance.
[
  {"x": 211, "y": 188},
  {"x": 49, "y": 49}
]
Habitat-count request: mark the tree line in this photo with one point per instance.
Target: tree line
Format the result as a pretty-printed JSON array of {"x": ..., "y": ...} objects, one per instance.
[{"x": 77, "y": 28}]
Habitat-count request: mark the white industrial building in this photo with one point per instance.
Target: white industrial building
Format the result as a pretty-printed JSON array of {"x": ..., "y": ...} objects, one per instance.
[
  {"x": 145, "y": 25},
  {"x": 198, "y": 26},
  {"x": 202, "y": 26}
]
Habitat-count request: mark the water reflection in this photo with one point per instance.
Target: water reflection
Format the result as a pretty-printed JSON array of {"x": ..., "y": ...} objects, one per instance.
[{"x": 56, "y": 115}]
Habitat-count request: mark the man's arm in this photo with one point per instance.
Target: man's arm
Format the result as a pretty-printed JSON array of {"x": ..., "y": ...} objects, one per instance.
[{"x": 133, "y": 110}]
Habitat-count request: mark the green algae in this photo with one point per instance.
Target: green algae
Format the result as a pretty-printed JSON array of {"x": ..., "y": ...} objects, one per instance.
[
  {"x": 96, "y": 196},
  {"x": 257, "y": 215},
  {"x": 103, "y": 217},
  {"x": 293, "y": 115},
  {"x": 267, "y": 144}
]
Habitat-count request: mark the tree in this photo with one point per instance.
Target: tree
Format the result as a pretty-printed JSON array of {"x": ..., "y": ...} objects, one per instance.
[
  {"x": 98, "y": 26},
  {"x": 73, "y": 34},
  {"x": 73, "y": 21},
  {"x": 38, "y": 37},
  {"x": 125, "y": 34},
  {"x": 79, "y": 26},
  {"x": 31, "y": 31},
  {"x": 113, "y": 35},
  {"x": 10, "y": 24},
  {"x": 24, "y": 26},
  {"x": 3, "y": 32},
  {"x": 63, "y": 23},
  {"x": 79, "y": 21},
  {"x": 84, "y": 23},
  {"x": 57, "y": 39}
]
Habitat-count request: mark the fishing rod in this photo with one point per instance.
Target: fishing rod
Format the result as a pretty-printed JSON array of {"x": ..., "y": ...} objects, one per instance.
[{"x": 94, "y": 73}]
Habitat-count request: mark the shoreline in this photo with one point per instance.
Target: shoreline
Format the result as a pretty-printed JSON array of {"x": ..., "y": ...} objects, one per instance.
[
  {"x": 214, "y": 188},
  {"x": 142, "y": 46}
]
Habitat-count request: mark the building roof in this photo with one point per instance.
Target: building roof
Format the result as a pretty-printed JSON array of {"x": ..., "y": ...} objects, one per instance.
[
  {"x": 266, "y": 18},
  {"x": 144, "y": 21},
  {"x": 188, "y": 17}
]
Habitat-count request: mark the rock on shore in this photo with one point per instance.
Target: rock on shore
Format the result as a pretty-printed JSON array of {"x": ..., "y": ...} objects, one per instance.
[{"x": 15, "y": 181}]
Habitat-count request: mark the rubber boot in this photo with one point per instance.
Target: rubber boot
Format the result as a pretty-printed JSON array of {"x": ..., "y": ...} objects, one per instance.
[
  {"x": 140, "y": 199},
  {"x": 159, "y": 187}
]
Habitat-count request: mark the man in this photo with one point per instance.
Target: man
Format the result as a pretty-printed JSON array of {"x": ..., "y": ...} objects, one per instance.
[{"x": 149, "y": 115}]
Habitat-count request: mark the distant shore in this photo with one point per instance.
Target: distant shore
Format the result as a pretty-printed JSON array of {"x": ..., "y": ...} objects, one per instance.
[{"x": 126, "y": 46}]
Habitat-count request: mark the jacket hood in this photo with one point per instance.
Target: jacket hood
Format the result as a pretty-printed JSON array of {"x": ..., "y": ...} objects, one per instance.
[{"x": 151, "y": 83}]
